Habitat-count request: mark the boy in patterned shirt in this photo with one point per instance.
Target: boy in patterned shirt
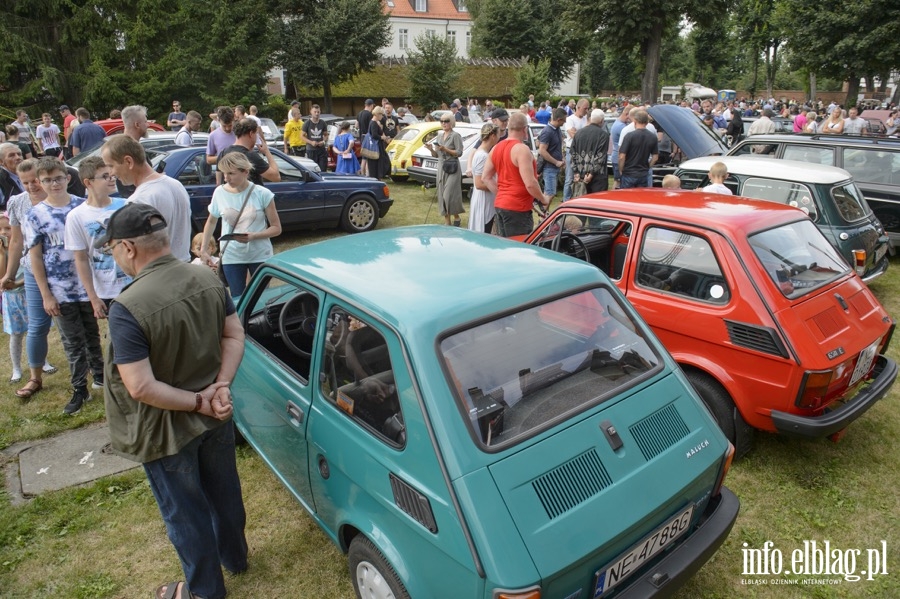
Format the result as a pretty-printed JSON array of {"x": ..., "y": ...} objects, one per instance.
[{"x": 53, "y": 266}]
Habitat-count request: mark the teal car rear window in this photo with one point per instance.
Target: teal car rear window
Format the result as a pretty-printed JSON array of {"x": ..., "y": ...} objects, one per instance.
[{"x": 525, "y": 371}]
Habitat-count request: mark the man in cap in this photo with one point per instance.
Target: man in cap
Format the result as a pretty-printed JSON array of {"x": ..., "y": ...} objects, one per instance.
[{"x": 175, "y": 345}]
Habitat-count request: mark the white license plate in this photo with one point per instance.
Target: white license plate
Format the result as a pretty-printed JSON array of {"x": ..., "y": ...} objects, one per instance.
[
  {"x": 634, "y": 558},
  {"x": 431, "y": 164},
  {"x": 864, "y": 362}
]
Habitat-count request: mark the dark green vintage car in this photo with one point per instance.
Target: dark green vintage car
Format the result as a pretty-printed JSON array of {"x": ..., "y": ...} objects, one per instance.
[{"x": 467, "y": 416}]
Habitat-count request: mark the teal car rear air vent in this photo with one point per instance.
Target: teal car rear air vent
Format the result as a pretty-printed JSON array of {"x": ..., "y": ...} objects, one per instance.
[
  {"x": 659, "y": 431},
  {"x": 571, "y": 483}
]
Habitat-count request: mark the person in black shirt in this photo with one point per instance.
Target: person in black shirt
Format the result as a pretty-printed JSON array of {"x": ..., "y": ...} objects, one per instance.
[
  {"x": 362, "y": 121},
  {"x": 263, "y": 168},
  {"x": 315, "y": 134}
]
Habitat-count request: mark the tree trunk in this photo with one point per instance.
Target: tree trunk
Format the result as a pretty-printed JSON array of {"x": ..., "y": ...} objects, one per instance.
[
  {"x": 652, "y": 51},
  {"x": 752, "y": 89},
  {"x": 870, "y": 85},
  {"x": 326, "y": 97},
  {"x": 812, "y": 88},
  {"x": 852, "y": 90},
  {"x": 771, "y": 68}
]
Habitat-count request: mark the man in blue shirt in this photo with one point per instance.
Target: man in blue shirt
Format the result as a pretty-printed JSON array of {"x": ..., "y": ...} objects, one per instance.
[
  {"x": 177, "y": 119},
  {"x": 550, "y": 149},
  {"x": 543, "y": 114},
  {"x": 615, "y": 132},
  {"x": 87, "y": 134}
]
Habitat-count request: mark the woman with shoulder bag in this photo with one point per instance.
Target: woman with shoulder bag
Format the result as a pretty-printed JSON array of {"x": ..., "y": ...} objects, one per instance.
[
  {"x": 249, "y": 221},
  {"x": 447, "y": 146},
  {"x": 379, "y": 167}
]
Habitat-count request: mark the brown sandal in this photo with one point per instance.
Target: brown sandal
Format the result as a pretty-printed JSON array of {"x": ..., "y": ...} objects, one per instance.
[{"x": 30, "y": 388}]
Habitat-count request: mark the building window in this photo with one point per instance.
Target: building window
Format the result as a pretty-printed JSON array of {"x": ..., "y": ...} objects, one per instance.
[
  {"x": 451, "y": 37},
  {"x": 461, "y": 6},
  {"x": 468, "y": 42},
  {"x": 421, "y": 5},
  {"x": 429, "y": 32},
  {"x": 404, "y": 38}
]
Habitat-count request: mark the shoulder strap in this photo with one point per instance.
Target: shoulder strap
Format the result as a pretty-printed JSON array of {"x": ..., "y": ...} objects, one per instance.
[{"x": 240, "y": 212}]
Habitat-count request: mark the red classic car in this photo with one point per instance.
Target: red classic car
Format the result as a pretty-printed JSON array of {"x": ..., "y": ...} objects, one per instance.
[{"x": 769, "y": 323}]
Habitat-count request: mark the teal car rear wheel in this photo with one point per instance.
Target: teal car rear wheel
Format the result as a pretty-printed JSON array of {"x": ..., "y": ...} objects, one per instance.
[{"x": 373, "y": 577}]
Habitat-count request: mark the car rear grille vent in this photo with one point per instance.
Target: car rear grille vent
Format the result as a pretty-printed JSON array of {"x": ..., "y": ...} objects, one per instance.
[
  {"x": 829, "y": 322},
  {"x": 571, "y": 483},
  {"x": 659, "y": 431},
  {"x": 862, "y": 303},
  {"x": 751, "y": 336},
  {"x": 413, "y": 503}
]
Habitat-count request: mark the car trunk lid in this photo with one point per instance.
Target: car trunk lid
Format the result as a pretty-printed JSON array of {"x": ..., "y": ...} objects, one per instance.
[
  {"x": 687, "y": 131},
  {"x": 578, "y": 486}
]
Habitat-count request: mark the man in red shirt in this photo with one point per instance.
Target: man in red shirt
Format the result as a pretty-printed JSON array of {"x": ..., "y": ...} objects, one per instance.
[
  {"x": 68, "y": 120},
  {"x": 517, "y": 184}
]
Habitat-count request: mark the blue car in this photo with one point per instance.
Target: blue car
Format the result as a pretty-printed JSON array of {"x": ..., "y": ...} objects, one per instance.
[{"x": 304, "y": 199}]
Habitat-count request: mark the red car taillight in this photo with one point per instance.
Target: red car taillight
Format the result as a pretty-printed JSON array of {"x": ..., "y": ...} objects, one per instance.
[
  {"x": 387, "y": 191},
  {"x": 402, "y": 164},
  {"x": 416, "y": 161},
  {"x": 814, "y": 389},
  {"x": 859, "y": 256}
]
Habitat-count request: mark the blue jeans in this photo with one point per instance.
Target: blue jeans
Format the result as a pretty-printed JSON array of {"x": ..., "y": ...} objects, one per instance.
[
  {"x": 551, "y": 174},
  {"x": 199, "y": 496},
  {"x": 236, "y": 275},
  {"x": 38, "y": 323},
  {"x": 628, "y": 182},
  {"x": 567, "y": 187}
]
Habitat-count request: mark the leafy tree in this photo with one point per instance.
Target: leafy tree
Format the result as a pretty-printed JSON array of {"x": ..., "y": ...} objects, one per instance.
[
  {"x": 641, "y": 24},
  {"x": 43, "y": 54},
  {"x": 326, "y": 42},
  {"x": 845, "y": 41},
  {"x": 434, "y": 71},
  {"x": 532, "y": 79},
  {"x": 526, "y": 29}
]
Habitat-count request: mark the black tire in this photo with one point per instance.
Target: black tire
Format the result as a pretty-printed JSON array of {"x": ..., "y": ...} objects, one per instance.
[
  {"x": 371, "y": 574},
  {"x": 723, "y": 411},
  {"x": 360, "y": 214},
  {"x": 399, "y": 178}
]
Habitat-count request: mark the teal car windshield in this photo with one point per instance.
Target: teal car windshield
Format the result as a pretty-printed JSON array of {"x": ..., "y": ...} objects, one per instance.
[
  {"x": 526, "y": 371},
  {"x": 798, "y": 258}
]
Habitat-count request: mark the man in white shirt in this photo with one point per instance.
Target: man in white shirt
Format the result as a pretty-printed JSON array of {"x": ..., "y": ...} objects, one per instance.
[
  {"x": 574, "y": 122},
  {"x": 854, "y": 125}
]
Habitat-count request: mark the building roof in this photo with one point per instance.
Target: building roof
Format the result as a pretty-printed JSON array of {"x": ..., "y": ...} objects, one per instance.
[{"x": 436, "y": 9}]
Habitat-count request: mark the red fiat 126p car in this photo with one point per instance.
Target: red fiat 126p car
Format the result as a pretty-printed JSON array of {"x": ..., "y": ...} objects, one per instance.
[{"x": 770, "y": 324}]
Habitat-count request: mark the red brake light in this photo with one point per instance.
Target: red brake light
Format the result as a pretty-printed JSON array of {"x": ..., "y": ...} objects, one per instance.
[
  {"x": 387, "y": 191},
  {"x": 402, "y": 164},
  {"x": 416, "y": 161},
  {"x": 814, "y": 389}
]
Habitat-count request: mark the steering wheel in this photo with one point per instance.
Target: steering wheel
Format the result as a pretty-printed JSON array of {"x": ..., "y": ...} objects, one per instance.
[
  {"x": 578, "y": 241},
  {"x": 291, "y": 322}
]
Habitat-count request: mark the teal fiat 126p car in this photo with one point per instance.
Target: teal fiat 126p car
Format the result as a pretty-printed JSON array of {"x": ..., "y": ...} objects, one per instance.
[{"x": 467, "y": 416}]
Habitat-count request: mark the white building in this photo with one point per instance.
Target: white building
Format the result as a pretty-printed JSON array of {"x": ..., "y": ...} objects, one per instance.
[{"x": 411, "y": 18}]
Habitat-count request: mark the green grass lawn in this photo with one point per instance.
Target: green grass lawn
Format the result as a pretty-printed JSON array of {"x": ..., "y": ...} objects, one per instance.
[{"x": 107, "y": 539}]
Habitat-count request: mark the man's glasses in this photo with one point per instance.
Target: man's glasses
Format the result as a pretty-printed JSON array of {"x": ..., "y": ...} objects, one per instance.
[
  {"x": 105, "y": 177},
  {"x": 54, "y": 181},
  {"x": 109, "y": 247}
]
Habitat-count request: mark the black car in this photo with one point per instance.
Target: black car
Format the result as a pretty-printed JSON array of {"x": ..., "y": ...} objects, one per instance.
[
  {"x": 874, "y": 163},
  {"x": 304, "y": 199}
]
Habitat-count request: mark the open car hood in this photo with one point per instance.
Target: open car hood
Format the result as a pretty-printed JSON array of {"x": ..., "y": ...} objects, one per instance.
[{"x": 687, "y": 131}]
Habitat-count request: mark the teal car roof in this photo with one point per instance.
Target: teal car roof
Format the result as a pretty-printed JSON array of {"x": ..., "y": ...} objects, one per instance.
[{"x": 434, "y": 277}]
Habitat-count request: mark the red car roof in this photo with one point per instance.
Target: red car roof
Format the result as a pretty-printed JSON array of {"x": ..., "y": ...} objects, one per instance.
[
  {"x": 716, "y": 211},
  {"x": 113, "y": 126}
]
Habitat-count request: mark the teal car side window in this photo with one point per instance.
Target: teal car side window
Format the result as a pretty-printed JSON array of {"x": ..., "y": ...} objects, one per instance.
[
  {"x": 281, "y": 319},
  {"x": 358, "y": 376}
]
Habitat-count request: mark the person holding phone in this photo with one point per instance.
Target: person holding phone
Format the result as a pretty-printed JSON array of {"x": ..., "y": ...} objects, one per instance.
[{"x": 249, "y": 222}]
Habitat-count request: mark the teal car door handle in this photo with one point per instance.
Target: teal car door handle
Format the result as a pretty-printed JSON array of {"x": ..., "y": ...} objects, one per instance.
[{"x": 295, "y": 414}]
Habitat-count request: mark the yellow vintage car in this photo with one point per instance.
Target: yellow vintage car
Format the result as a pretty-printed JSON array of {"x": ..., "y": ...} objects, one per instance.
[{"x": 410, "y": 139}]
